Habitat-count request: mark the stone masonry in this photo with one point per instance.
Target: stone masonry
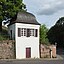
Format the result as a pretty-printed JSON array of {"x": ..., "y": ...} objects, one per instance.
[
  {"x": 45, "y": 51},
  {"x": 7, "y": 49}
]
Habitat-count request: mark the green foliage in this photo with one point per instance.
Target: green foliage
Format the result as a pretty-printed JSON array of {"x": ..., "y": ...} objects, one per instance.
[
  {"x": 43, "y": 34},
  {"x": 60, "y": 21},
  {"x": 3, "y": 37},
  {"x": 56, "y": 33},
  {"x": 4, "y": 34},
  {"x": 8, "y": 8}
]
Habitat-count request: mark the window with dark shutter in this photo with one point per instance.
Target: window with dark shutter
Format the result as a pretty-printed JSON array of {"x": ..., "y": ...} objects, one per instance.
[
  {"x": 36, "y": 32},
  {"x": 19, "y": 32},
  {"x": 28, "y": 32},
  {"x": 31, "y": 32}
]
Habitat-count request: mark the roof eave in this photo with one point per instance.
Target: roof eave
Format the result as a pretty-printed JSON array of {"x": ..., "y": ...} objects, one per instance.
[{"x": 25, "y": 23}]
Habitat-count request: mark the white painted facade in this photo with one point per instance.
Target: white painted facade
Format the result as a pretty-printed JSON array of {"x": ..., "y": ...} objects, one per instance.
[
  {"x": 12, "y": 27},
  {"x": 24, "y": 42}
]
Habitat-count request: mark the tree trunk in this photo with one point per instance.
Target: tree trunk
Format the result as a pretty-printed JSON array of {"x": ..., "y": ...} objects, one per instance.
[{"x": 0, "y": 26}]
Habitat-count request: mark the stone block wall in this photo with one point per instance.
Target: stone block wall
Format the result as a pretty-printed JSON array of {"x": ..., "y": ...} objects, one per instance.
[
  {"x": 45, "y": 51},
  {"x": 7, "y": 49},
  {"x": 53, "y": 48}
]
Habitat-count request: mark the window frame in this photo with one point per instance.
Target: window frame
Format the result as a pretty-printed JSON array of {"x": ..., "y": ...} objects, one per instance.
[{"x": 27, "y": 32}]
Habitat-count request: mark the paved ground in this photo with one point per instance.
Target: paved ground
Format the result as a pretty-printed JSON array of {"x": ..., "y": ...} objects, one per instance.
[
  {"x": 32, "y": 61},
  {"x": 60, "y": 53}
]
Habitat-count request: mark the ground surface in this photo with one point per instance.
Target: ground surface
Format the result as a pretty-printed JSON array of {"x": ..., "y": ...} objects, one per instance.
[{"x": 37, "y": 61}]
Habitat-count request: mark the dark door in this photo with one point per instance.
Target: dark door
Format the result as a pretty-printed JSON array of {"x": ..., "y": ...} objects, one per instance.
[{"x": 28, "y": 52}]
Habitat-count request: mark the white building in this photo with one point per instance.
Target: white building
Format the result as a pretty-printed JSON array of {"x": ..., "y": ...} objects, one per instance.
[{"x": 25, "y": 31}]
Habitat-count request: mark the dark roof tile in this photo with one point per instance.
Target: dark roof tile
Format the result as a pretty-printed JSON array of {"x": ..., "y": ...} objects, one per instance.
[{"x": 25, "y": 17}]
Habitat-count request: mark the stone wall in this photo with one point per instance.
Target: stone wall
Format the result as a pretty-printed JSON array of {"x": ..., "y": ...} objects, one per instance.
[
  {"x": 7, "y": 50},
  {"x": 45, "y": 51},
  {"x": 53, "y": 48}
]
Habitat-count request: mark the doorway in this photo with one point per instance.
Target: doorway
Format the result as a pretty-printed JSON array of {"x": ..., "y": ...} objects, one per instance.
[{"x": 28, "y": 52}]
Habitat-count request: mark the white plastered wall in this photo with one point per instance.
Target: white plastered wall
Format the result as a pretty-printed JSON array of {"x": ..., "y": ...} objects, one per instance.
[{"x": 24, "y": 42}]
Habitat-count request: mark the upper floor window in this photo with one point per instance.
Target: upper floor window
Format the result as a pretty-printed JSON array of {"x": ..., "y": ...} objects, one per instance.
[
  {"x": 27, "y": 32},
  {"x": 21, "y": 31},
  {"x": 31, "y": 32}
]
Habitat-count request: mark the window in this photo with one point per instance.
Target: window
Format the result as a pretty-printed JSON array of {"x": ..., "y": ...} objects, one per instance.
[
  {"x": 22, "y": 31},
  {"x": 27, "y": 32},
  {"x": 32, "y": 32}
]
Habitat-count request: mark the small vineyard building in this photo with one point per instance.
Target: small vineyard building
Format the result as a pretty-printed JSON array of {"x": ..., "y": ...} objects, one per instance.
[{"x": 25, "y": 31}]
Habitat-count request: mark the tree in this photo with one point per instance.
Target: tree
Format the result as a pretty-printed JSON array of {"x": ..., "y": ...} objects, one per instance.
[
  {"x": 56, "y": 33},
  {"x": 43, "y": 34},
  {"x": 9, "y": 8}
]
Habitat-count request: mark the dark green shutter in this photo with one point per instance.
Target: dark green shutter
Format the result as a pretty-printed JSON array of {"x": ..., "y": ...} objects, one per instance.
[
  {"x": 36, "y": 32},
  {"x": 28, "y": 32},
  {"x": 19, "y": 32}
]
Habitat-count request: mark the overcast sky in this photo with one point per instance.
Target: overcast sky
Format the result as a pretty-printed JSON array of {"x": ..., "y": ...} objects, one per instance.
[{"x": 46, "y": 11}]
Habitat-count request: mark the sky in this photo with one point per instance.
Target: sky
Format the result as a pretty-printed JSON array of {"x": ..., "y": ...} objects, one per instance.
[{"x": 46, "y": 11}]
